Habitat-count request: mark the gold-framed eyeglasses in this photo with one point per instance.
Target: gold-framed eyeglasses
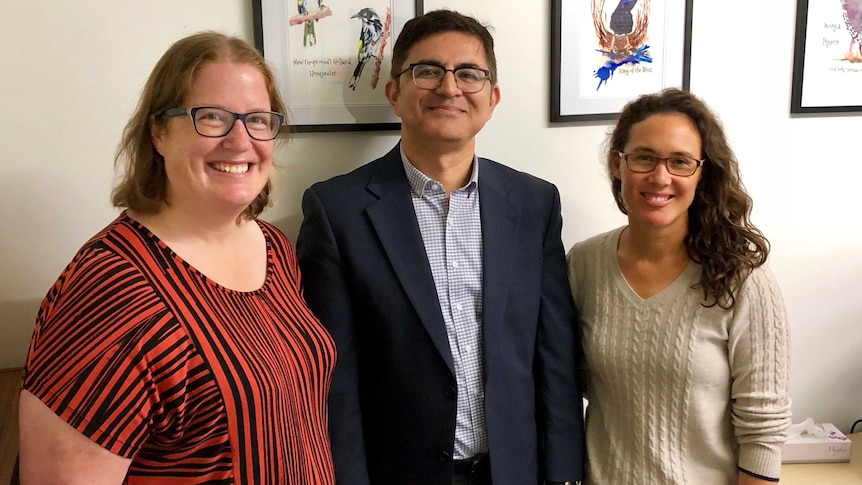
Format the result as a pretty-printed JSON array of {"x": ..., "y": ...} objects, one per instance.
[
  {"x": 646, "y": 162},
  {"x": 430, "y": 76},
  {"x": 213, "y": 122}
]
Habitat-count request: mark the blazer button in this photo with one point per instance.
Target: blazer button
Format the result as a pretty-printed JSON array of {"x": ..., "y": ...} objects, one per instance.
[
  {"x": 445, "y": 456},
  {"x": 450, "y": 391}
]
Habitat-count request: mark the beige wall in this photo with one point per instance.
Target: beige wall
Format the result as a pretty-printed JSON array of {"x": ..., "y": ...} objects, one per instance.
[{"x": 71, "y": 73}]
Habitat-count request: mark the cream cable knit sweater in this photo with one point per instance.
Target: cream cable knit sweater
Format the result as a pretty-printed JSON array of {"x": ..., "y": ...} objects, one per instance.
[{"x": 679, "y": 393}]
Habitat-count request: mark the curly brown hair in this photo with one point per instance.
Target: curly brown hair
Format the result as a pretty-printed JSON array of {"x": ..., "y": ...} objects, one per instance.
[
  {"x": 721, "y": 237},
  {"x": 143, "y": 184}
]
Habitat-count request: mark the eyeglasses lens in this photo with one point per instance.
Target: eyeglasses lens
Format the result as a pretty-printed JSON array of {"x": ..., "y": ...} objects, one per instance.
[
  {"x": 215, "y": 122},
  {"x": 468, "y": 79},
  {"x": 645, "y": 163}
]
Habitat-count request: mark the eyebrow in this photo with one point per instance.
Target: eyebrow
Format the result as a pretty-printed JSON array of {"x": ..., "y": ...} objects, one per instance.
[
  {"x": 676, "y": 153},
  {"x": 434, "y": 62}
]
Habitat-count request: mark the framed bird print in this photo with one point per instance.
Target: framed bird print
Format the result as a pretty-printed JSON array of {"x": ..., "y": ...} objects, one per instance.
[
  {"x": 827, "y": 62},
  {"x": 332, "y": 59},
  {"x": 605, "y": 53}
]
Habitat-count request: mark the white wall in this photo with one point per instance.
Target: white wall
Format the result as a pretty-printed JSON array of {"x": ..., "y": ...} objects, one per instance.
[{"x": 72, "y": 71}]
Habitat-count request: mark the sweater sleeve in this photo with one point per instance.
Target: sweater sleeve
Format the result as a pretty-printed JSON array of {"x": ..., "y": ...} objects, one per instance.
[{"x": 758, "y": 351}]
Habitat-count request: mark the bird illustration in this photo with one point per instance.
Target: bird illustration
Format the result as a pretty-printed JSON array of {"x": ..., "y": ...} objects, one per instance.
[
  {"x": 623, "y": 39},
  {"x": 622, "y": 21},
  {"x": 625, "y": 32},
  {"x": 369, "y": 37},
  {"x": 309, "y": 36},
  {"x": 852, "y": 11}
]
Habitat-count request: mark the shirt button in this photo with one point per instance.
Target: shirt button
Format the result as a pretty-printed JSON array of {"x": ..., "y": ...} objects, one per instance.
[
  {"x": 455, "y": 264},
  {"x": 458, "y": 306},
  {"x": 468, "y": 348}
]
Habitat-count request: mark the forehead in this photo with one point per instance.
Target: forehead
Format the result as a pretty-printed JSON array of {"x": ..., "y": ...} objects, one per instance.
[
  {"x": 666, "y": 133},
  {"x": 226, "y": 82},
  {"x": 449, "y": 48}
]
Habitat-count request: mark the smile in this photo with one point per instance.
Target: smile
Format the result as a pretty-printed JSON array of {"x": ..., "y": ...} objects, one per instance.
[
  {"x": 448, "y": 109},
  {"x": 235, "y": 168},
  {"x": 659, "y": 200}
]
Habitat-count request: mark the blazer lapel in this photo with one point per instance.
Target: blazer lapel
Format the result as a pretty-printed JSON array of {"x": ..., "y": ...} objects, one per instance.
[
  {"x": 394, "y": 220},
  {"x": 499, "y": 234}
]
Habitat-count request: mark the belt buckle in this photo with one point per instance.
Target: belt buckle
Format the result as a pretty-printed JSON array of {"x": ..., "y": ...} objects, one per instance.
[{"x": 478, "y": 464}]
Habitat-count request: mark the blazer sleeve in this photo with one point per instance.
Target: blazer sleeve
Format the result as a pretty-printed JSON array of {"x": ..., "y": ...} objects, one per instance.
[
  {"x": 558, "y": 383},
  {"x": 326, "y": 291}
]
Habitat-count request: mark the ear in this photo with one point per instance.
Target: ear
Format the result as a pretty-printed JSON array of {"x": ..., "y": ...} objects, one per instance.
[
  {"x": 615, "y": 166},
  {"x": 495, "y": 97},
  {"x": 157, "y": 134},
  {"x": 392, "y": 92}
]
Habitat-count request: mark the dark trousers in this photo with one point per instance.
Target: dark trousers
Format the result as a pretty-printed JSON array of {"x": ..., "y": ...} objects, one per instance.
[{"x": 472, "y": 471}]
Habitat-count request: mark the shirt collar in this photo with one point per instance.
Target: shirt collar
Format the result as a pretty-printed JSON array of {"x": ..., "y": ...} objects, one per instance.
[{"x": 420, "y": 183}]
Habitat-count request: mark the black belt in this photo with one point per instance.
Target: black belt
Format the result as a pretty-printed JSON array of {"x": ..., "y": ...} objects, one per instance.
[{"x": 473, "y": 466}]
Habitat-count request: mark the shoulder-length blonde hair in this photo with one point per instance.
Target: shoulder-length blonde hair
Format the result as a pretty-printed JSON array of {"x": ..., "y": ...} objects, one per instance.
[{"x": 143, "y": 184}]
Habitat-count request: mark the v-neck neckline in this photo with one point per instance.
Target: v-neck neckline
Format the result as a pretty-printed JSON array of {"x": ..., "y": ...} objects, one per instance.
[{"x": 668, "y": 294}]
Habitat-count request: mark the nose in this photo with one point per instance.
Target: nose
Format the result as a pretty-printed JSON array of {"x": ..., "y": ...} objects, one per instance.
[
  {"x": 449, "y": 85},
  {"x": 238, "y": 137},
  {"x": 661, "y": 175}
]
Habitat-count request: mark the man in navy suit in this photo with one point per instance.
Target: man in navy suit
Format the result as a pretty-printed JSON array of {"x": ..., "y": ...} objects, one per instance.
[{"x": 442, "y": 279}]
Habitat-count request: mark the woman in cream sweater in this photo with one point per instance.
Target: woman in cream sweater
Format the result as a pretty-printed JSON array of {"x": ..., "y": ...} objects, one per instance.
[{"x": 684, "y": 328}]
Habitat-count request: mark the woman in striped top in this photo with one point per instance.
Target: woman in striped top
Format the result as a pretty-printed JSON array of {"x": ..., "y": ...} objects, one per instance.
[{"x": 176, "y": 347}]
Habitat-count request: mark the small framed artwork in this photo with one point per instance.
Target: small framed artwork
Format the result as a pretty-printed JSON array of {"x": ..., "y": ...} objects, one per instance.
[
  {"x": 332, "y": 61},
  {"x": 827, "y": 61},
  {"x": 605, "y": 53}
]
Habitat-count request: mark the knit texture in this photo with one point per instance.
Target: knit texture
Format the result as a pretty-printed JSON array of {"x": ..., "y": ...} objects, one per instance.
[{"x": 679, "y": 393}]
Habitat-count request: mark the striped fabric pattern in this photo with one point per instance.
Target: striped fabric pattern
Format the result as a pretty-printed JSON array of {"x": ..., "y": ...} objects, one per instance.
[{"x": 194, "y": 382}]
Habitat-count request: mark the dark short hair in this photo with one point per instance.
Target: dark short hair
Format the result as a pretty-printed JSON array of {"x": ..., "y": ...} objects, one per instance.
[
  {"x": 720, "y": 235},
  {"x": 143, "y": 184},
  {"x": 438, "y": 22}
]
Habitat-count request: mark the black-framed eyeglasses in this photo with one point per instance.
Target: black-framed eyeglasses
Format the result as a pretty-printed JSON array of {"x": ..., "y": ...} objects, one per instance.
[
  {"x": 645, "y": 162},
  {"x": 215, "y": 122},
  {"x": 430, "y": 76}
]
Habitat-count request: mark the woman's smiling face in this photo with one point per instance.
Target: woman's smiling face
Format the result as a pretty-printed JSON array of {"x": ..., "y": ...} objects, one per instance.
[
  {"x": 659, "y": 200},
  {"x": 224, "y": 173}
]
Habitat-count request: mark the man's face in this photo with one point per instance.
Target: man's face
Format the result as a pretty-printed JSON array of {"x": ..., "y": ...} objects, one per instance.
[{"x": 445, "y": 114}]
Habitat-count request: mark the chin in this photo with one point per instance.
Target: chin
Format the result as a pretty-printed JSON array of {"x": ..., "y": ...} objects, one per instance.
[
  {"x": 447, "y": 134},
  {"x": 664, "y": 222},
  {"x": 238, "y": 201}
]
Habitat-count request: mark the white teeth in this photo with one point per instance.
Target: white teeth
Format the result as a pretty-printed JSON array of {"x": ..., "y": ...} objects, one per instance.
[
  {"x": 657, "y": 198},
  {"x": 231, "y": 167}
]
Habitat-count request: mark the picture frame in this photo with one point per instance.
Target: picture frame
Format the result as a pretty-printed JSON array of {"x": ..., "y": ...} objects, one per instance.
[
  {"x": 332, "y": 63},
  {"x": 605, "y": 54},
  {"x": 827, "y": 66}
]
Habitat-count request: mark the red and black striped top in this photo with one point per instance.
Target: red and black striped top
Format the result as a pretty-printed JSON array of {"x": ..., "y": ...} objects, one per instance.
[{"x": 194, "y": 382}]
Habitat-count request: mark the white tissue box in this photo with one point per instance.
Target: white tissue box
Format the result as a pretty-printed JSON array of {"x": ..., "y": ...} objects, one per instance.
[{"x": 822, "y": 444}]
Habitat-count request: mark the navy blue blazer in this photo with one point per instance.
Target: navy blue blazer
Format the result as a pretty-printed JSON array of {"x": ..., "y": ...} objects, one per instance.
[{"x": 393, "y": 397}]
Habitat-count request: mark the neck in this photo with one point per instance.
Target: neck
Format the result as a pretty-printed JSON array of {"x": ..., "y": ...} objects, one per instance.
[
  {"x": 449, "y": 164},
  {"x": 172, "y": 224},
  {"x": 654, "y": 244}
]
